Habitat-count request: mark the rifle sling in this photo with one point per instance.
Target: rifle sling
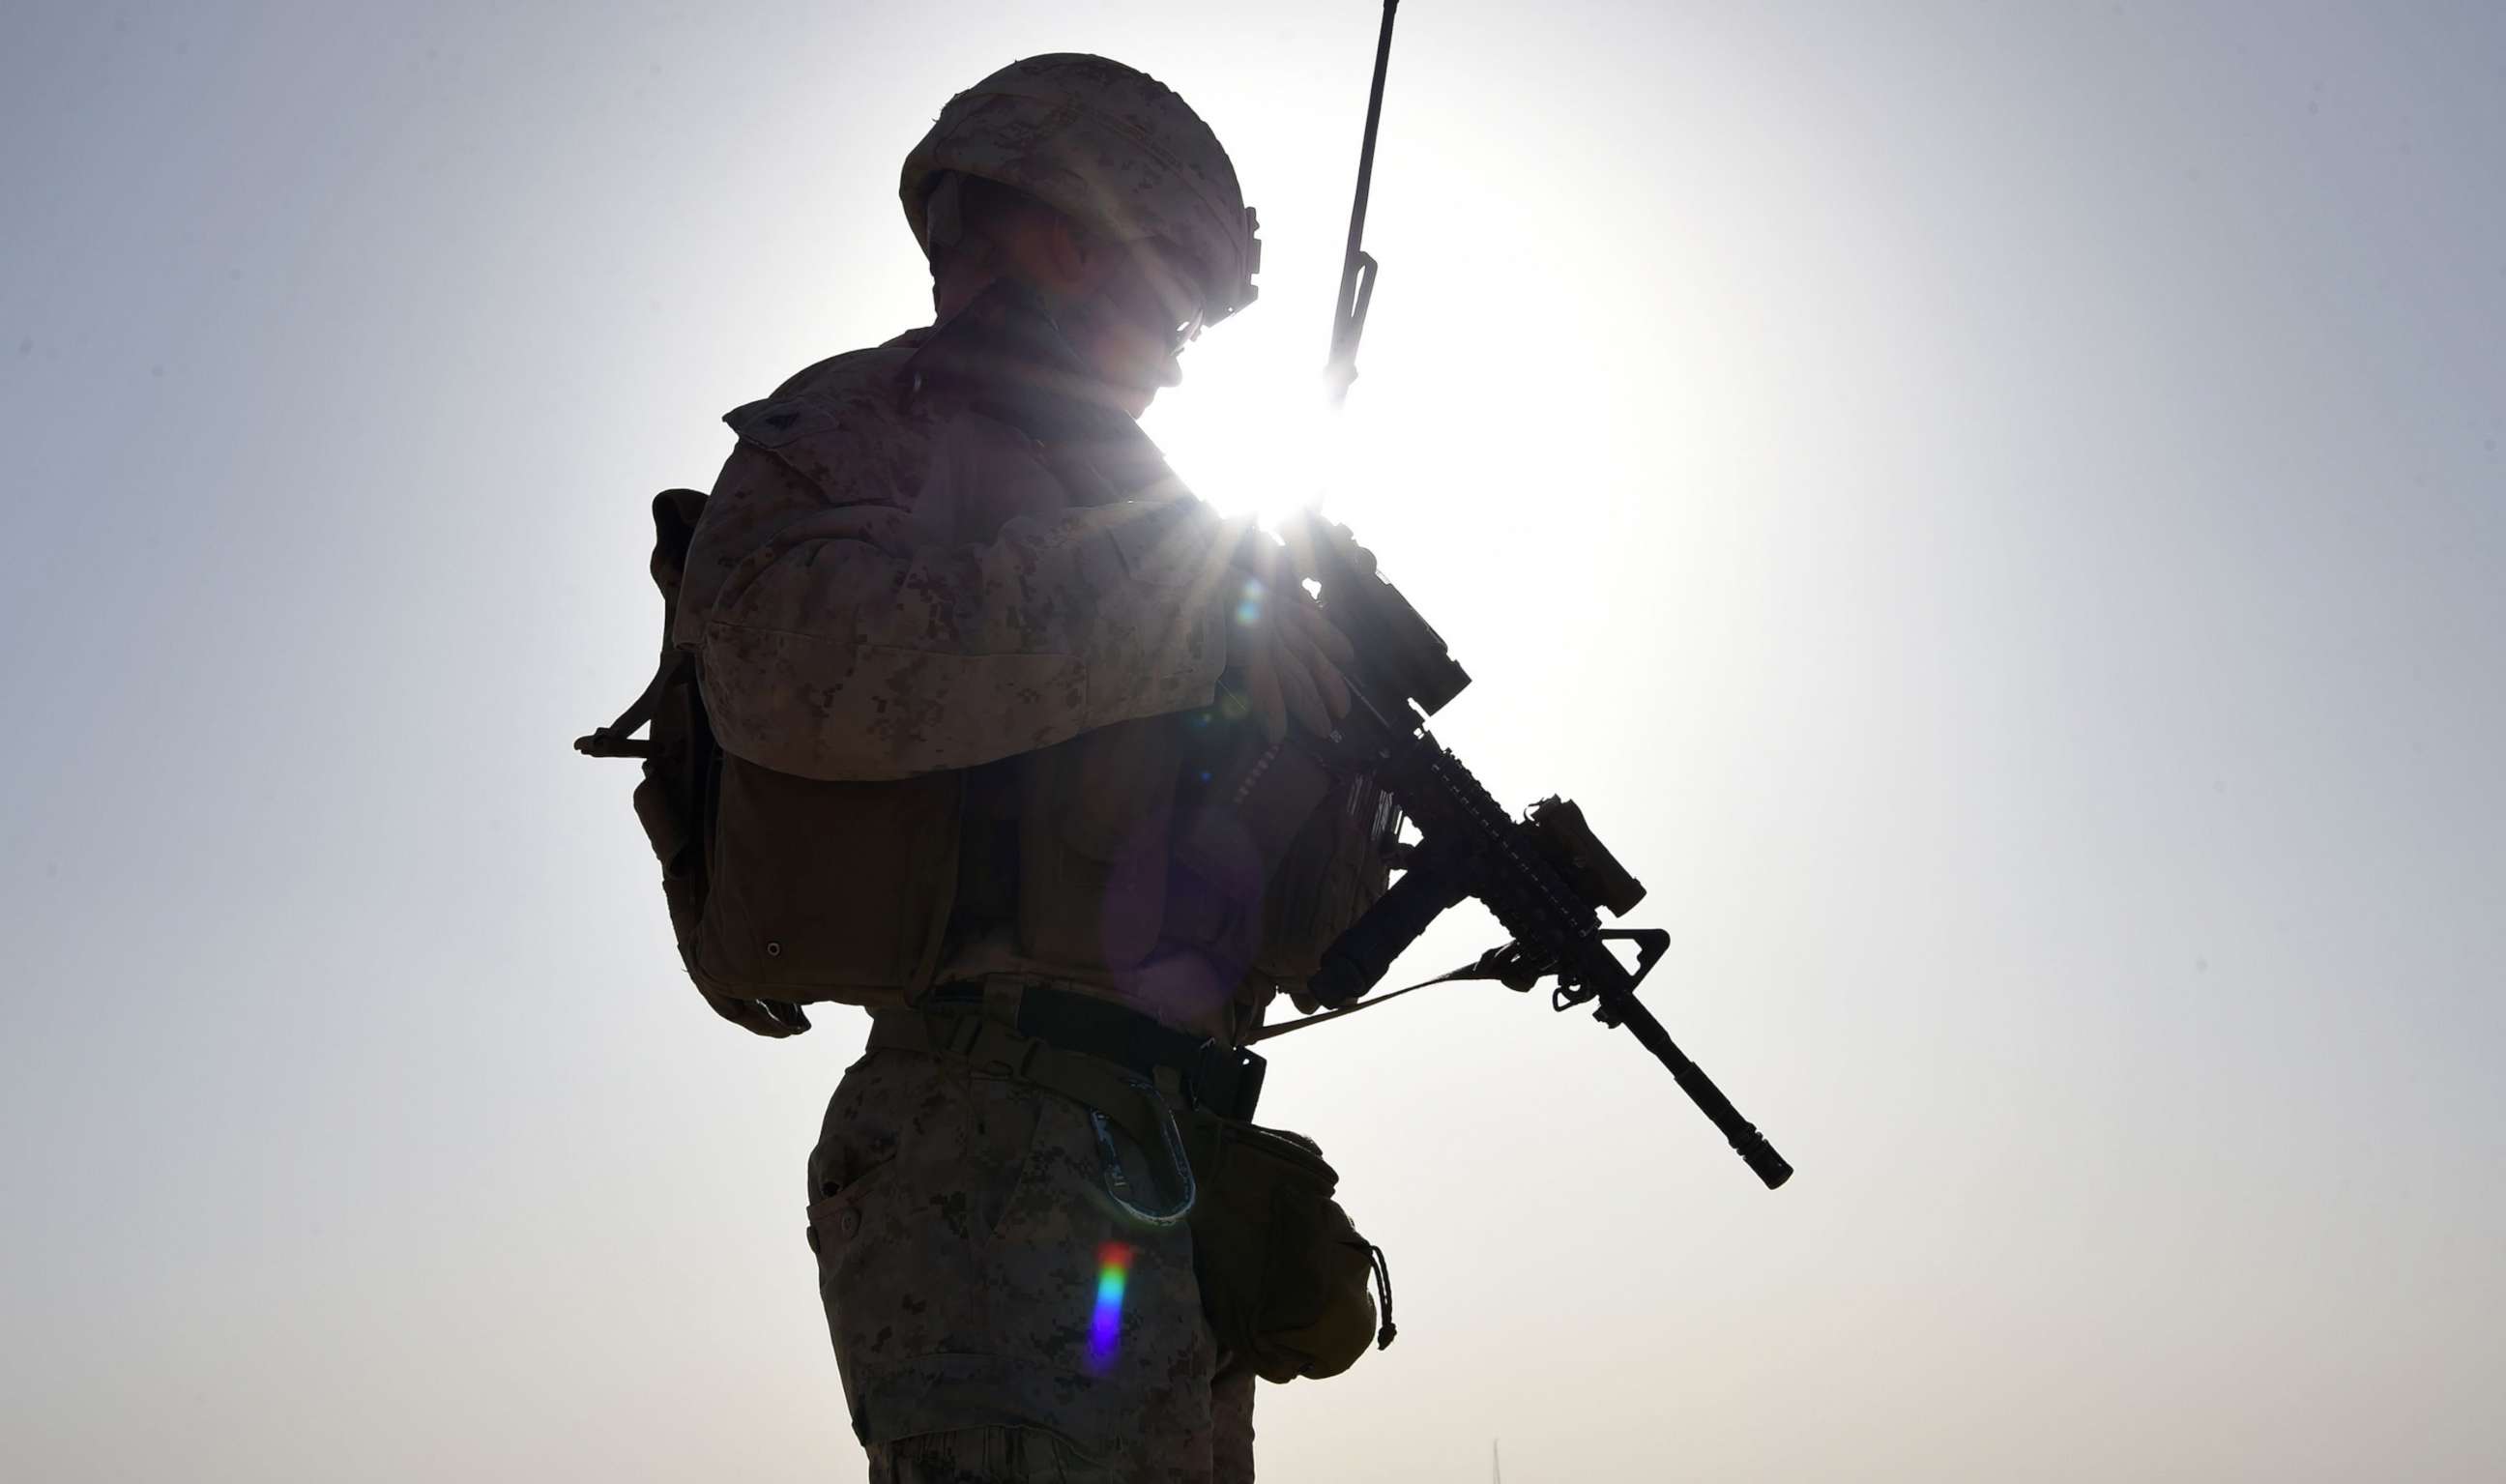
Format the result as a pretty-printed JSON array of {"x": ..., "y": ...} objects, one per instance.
[{"x": 1470, "y": 970}]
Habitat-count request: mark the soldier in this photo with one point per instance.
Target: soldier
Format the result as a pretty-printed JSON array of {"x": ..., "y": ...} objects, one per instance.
[{"x": 947, "y": 642}]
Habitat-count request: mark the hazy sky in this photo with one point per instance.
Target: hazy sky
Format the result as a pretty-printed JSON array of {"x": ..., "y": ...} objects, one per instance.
[{"x": 1997, "y": 510}]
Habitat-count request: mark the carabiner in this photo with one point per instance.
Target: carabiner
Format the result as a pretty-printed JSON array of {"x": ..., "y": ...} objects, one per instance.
[{"x": 1109, "y": 1159}]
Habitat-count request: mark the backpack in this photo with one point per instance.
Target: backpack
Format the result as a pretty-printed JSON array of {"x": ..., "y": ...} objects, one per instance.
[{"x": 781, "y": 890}]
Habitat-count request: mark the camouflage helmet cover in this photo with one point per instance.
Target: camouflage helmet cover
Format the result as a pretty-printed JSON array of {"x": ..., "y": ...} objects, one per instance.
[{"x": 1104, "y": 145}]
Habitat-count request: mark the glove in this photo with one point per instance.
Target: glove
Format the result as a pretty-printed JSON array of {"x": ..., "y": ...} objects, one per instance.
[{"x": 1290, "y": 657}]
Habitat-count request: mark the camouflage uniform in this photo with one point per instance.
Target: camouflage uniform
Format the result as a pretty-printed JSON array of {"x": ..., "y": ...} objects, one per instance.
[
  {"x": 961, "y": 1228},
  {"x": 886, "y": 583}
]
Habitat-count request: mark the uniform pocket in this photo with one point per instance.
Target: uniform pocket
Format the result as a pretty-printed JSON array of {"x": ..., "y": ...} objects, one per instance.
[
  {"x": 1034, "y": 1139},
  {"x": 835, "y": 1220}
]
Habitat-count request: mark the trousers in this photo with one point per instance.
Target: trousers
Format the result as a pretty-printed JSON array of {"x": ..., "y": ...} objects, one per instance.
[{"x": 996, "y": 1316}]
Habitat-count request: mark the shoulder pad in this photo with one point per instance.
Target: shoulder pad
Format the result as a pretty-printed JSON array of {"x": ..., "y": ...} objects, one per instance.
[
  {"x": 846, "y": 427},
  {"x": 774, "y": 422},
  {"x": 827, "y": 396}
]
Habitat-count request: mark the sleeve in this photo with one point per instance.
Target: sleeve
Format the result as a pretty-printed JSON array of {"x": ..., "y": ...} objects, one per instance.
[{"x": 845, "y": 643}]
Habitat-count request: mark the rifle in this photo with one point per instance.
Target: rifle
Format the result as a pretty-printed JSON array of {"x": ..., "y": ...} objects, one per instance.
[{"x": 1545, "y": 877}]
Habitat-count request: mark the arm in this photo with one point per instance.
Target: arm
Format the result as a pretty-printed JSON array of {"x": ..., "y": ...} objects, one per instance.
[{"x": 846, "y": 643}]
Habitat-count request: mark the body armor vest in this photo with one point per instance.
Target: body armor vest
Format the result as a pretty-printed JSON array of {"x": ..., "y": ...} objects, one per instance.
[{"x": 1177, "y": 860}]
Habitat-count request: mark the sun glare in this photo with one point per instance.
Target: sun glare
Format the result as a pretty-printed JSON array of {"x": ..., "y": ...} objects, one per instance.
[{"x": 1256, "y": 437}]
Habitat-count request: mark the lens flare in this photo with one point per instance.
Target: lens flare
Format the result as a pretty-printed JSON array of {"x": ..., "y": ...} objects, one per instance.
[{"x": 1105, "y": 1333}]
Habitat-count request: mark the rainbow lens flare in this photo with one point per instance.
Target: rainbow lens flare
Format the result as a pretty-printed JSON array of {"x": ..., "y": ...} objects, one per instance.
[{"x": 1105, "y": 1333}]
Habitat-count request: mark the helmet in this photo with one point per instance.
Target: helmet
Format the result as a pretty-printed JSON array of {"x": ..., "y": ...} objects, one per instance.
[{"x": 1106, "y": 146}]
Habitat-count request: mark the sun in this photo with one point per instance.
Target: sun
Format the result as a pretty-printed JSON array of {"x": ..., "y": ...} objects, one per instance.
[{"x": 1252, "y": 435}]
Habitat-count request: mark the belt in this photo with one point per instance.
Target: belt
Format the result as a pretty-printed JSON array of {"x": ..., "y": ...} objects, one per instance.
[
  {"x": 1210, "y": 1074},
  {"x": 1126, "y": 1070}
]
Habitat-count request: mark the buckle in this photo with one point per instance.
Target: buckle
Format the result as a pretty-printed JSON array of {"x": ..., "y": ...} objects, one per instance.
[
  {"x": 1226, "y": 1079},
  {"x": 989, "y": 1047}
]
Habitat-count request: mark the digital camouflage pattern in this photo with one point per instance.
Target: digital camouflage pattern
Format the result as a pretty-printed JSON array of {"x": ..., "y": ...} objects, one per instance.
[
  {"x": 959, "y": 1221},
  {"x": 1103, "y": 144},
  {"x": 888, "y": 584}
]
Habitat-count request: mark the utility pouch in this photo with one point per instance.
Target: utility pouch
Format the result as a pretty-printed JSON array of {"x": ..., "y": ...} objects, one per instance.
[
  {"x": 1283, "y": 1272},
  {"x": 826, "y": 891},
  {"x": 782, "y": 890}
]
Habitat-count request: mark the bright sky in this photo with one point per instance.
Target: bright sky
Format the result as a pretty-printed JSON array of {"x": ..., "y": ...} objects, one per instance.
[{"x": 1995, "y": 510}]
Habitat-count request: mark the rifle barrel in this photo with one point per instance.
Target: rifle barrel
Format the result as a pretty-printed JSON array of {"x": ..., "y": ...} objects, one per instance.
[{"x": 1627, "y": 1011}]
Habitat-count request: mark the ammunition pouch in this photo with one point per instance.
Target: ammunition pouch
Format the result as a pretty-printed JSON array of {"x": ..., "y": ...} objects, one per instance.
[
  {"x": 1337, "y": 867},
  {"x": 1283, "y": 1271}
]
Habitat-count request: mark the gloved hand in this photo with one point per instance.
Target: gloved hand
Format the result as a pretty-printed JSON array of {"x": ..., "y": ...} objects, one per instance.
[{"x": 1289, "y": 656}]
